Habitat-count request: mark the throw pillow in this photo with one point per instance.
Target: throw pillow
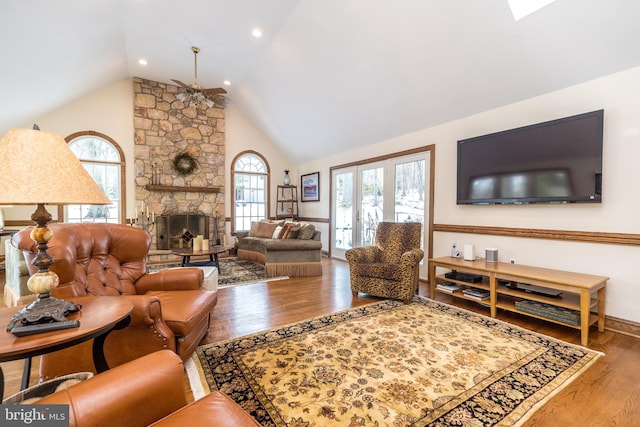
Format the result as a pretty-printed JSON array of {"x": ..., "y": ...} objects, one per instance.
[
  {"x": 276, "y": 232},
  {"x": 292, "y": 232},
  {"x": 265, "y": 229},
  {"x": 306, "y": 231},
  {"x": 286, "y": 229},
  {"x": 254, "y": 229}
]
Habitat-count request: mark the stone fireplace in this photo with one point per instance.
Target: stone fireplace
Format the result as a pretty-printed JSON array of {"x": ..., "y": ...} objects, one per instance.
[{"x": 165, "y": 128}]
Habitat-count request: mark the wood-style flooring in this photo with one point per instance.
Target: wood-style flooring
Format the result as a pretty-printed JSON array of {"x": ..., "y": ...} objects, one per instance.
[{"x": 607, "y": 394}]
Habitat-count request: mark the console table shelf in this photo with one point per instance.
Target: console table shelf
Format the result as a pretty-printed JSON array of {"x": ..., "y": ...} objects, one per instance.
[{"x": 583, "y": 293}]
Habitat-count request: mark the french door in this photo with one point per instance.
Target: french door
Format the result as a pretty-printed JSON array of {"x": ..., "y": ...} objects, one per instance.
[{"x": 393, "y": 190}]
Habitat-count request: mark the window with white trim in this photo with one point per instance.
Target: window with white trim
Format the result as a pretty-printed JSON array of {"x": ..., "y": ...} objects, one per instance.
[
  {"x": 104, "y": 160},
  {"x": 250, "y": 190}
]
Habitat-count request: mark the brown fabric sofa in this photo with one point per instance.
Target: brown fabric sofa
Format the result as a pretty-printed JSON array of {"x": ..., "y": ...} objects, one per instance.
[
  {"x": 390, "y": 268},
  {"x": 171, "y": 311},
  {"x": 285, "y": 248},
  {"x": 146, "y": 391}
]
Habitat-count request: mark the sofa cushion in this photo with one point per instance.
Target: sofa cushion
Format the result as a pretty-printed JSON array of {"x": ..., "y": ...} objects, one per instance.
[
  {"x": 378, "y": 270},
  {"x": 182, "y": 310},
  {"x": 306, "y": 231}
]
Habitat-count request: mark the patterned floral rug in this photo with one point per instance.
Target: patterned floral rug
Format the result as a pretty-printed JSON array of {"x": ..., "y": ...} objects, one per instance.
[
  {"x": 390, "y": 364},
  {"x": 233, "y": 272}
]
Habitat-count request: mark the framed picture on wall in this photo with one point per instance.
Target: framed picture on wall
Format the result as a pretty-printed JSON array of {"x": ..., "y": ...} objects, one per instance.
[{"x": 310, "y": 184}]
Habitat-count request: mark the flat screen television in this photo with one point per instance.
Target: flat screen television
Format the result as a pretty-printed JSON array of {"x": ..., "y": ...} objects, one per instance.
[{"x": 559, "y": 161}]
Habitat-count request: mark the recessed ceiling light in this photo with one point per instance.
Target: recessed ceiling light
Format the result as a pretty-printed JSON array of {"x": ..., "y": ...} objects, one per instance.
[
  {"x": 227, "y": 83},
  {"x": 257, "y": 33},
  {"x": 142, "y": 61}
]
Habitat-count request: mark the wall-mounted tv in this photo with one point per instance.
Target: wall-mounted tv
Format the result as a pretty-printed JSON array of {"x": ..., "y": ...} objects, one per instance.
[{"x": 559, "y": 161}]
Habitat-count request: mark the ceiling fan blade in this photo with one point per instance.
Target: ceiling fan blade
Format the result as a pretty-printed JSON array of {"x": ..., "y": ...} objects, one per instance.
[
  {"x": 214, "y": 91},
  {"x": 181, "y": 84},
  {"x": 220, "y": 101}
]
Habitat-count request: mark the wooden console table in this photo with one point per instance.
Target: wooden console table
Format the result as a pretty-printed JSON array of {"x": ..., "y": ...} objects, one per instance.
[{"x": 583, "y": 293}]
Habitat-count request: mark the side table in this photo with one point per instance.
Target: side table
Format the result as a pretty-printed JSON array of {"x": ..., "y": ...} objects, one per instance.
[{"x": 98, "y": 316}]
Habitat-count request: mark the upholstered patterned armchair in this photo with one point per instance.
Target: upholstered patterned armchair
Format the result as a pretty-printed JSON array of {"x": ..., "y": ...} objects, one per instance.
[{"x": 388, "y": 269}]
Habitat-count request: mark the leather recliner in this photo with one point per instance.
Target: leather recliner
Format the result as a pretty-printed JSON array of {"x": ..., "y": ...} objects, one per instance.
[
  {"x": 147, "y": 391},
  {"x": 170, "y": 310}
]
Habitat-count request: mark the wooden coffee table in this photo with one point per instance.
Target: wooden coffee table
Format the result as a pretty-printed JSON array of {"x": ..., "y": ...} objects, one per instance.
[
  {"x": 98, "y": 316},
  {"x": 213, "y": 253}
]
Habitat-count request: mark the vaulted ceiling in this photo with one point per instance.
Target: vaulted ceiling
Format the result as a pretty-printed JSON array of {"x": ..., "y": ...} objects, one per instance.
[{"x": 327, "y": 75}]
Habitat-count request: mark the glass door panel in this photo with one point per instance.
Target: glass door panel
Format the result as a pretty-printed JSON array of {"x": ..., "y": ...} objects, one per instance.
[
  {"x": 371, "y": 197},
  {"x": 343, "y": 212},
  {"x": 410, "y": 201}
]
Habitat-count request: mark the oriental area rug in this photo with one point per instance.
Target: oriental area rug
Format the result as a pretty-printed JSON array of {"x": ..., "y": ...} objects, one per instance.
[
  {"x": 233, "y": 272},
  {"x": 391, "y": 364}
]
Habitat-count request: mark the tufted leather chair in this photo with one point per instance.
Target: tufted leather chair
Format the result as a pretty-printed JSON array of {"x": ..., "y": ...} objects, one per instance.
[
  {"x": 390, "y": 268},
  {"x": 170, "y": 309}
]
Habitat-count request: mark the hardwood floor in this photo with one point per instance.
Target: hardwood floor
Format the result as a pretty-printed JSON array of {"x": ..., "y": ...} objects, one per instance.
[{"x": 607, "y": 394}]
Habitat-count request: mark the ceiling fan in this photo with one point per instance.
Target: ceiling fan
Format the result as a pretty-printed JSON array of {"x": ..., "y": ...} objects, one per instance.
[{"x": 197, "y": 94}]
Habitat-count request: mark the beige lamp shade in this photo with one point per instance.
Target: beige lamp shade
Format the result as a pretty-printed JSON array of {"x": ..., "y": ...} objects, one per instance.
[{"x": 39, "y": 167}]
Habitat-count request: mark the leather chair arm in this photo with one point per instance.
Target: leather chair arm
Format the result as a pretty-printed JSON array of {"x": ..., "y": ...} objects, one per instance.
[
  {"x": 134, "y": 394},
  {"x": 147, "y": 332},
  {"x": 178, "y": 279}
]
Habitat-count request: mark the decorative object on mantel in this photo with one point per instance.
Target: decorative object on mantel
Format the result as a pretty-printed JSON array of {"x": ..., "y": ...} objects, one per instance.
[
  {"x": 155, "y": 176},
  {"x": 287, "y": 179},
  {"x": 48, "y": 173},
  {"x": 196, "y": 94},
  {"x": 184, "y": 163}
]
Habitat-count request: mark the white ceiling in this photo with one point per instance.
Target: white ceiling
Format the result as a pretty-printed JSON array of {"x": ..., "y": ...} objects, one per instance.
[{"x": 328, "y": 75}]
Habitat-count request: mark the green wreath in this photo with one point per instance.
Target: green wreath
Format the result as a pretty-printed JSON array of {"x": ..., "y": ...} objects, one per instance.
[{"x": 184, "y": 163}]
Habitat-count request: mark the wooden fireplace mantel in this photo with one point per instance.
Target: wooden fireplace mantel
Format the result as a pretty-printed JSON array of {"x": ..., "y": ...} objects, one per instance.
[{"x": 192, "y": 189}]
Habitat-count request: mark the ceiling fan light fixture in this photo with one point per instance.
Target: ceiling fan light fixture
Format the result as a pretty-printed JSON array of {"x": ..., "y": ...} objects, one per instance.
[{"x": 197, "y": 95}]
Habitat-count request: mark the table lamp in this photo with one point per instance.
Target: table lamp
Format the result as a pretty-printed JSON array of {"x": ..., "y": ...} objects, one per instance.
[{"x": 39, "y": 168}]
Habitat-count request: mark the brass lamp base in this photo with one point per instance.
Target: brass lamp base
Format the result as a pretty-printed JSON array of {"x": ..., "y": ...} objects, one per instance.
[{"x": 43, "y": 315}]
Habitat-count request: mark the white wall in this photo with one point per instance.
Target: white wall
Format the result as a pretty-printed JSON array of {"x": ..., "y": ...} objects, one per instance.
[{"x": 618, "y": 94}]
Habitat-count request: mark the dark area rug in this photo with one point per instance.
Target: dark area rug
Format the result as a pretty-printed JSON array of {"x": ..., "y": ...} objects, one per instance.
[{"x": 233, "y": 272}]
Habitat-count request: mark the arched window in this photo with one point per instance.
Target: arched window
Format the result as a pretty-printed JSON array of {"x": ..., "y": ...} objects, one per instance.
[
  {"x": 102, "y": 157},
  {"x": 250, "y": 190}
]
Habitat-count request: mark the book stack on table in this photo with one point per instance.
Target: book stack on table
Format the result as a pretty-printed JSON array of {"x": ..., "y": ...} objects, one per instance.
[
  {"x": 449, "y": 287},
  {"x": 549, "y": 311},
  {"x": 476, "y": 293}
]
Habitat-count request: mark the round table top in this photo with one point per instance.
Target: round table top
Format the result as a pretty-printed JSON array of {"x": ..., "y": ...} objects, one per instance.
[
  {"x": 213, "y": 250},
  {"x": 97, "y": 316}
]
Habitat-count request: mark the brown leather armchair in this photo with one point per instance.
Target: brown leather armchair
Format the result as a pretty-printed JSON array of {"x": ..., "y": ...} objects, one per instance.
[
  {"x": 390, "y": 268},
  {"x": 170, "y": 309},
  {"x": 146, "y": 391}
]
